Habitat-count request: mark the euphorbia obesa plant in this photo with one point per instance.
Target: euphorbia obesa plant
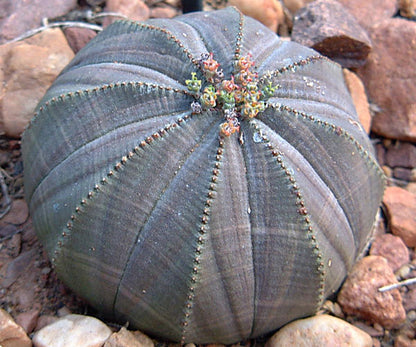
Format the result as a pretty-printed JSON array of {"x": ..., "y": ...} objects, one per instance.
[{"x": 200, "y": 178}]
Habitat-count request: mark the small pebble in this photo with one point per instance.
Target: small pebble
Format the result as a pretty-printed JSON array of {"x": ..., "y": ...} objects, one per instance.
[{"x": 403, "y": 272}]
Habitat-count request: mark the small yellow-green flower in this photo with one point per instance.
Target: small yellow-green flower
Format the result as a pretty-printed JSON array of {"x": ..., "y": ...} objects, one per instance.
[
  {"x": 209, "y": 97},
  {"x": 194, "y": 84}
]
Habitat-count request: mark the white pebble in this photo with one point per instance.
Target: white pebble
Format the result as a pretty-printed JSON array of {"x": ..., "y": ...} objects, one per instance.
[{"x": 73, "y": 331}]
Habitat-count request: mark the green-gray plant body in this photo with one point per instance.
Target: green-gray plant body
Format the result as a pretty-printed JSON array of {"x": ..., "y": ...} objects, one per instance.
[{"x": 200, "y": 178}]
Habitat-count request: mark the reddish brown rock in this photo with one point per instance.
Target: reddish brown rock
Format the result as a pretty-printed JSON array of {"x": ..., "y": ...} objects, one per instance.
[
  {"x": 19, "y": 16},
  {"x": 268, "y": 12},
  {"x": 392, "y": 248},
  {"x": 359, "y": 296},
  {"x": 359, "y": 97},
  {"x": 125, "y": 338},
  {"x": 12, "y": 334},
  {"x": 28, "y": 320},
  {"x": 328, "y": 27},
  {"x": 389, "y": 79},
  {"x": 401, "y": 211},
  {"x": 133, "y": 9},
  {"x": 78, "y": 37},
  {"x": 27, "y": 69},
  {"x": 370, "y": 12},
  {"x": 402, "y": 154}
]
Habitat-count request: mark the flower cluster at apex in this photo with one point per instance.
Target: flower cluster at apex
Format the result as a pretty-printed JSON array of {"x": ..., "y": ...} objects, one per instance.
[{"x": 239, "y": 97}]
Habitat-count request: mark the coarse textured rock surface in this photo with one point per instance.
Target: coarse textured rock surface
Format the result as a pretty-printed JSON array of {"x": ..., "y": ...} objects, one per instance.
[
  {"x": 326, "y": 26},
  {"x": 392, "y": 248},
  {"x": 370, "y": 12},
  {"x": 390, "y": 84},
  {"x": 318, "y": 331},
  {"x": 359, "y": 97},
  {"x": 78, "y": 37},
  {"x": 73, "y": 331},
  {"x": 359, "y": 296},
  {"x": 401, "y": 154},
  {"x": 19, "y": 16},
  {"x": 125, "y": 338},
  {"x": 401, "y": 209},
  {"x": 12, "y": 334},
  {"x": 27, "y": 69}
]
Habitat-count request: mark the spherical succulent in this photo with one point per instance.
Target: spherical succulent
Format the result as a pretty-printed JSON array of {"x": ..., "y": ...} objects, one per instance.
[{"x": 200, "y": 178}]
